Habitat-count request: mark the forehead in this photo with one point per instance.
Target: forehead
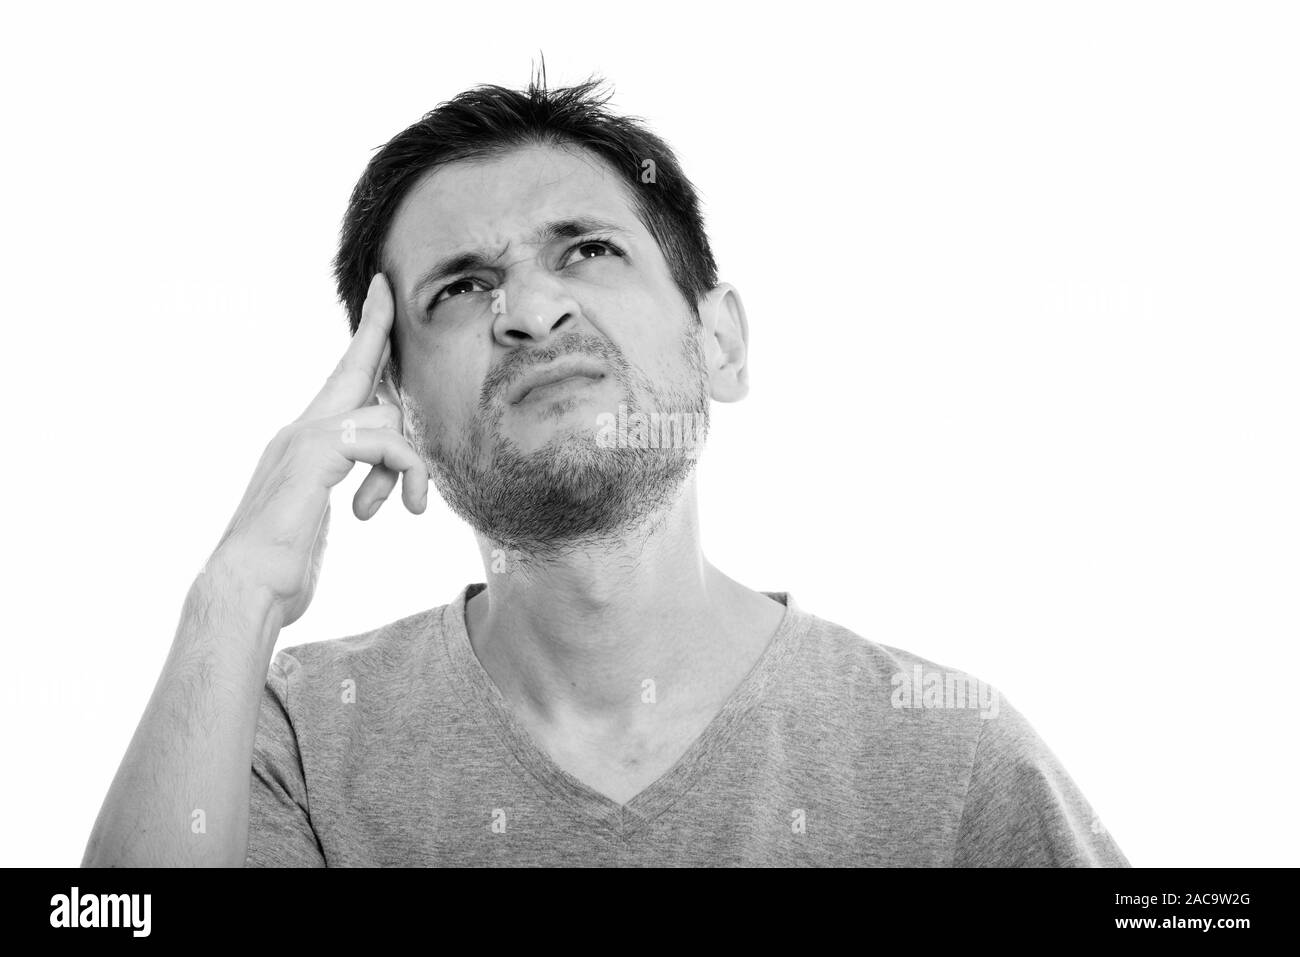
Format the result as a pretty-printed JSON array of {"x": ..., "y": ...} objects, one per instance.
[{"x": 501, "y": 199}]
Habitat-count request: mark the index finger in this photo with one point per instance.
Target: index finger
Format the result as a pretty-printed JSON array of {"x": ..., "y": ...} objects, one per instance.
[{"x": 353, "y": 380}]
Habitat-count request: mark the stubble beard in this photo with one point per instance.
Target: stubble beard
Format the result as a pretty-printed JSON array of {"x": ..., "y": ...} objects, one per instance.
[{"x": 574, "y": 493}]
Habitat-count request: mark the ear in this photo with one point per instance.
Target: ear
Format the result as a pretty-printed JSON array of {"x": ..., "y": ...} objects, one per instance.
[
  {"x": 726, "y": 342},
  {"x": 386, "y": 392},
  {"x": 385, "y": 389}
]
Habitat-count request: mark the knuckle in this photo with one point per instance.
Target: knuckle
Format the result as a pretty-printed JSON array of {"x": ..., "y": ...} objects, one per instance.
[
  {"x": 400, "y": 442},
  {"x": 303, "y": 439},
  {"x": 281, "y": 442}
]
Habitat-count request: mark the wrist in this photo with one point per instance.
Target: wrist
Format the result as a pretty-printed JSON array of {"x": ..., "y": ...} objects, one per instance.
[{"x": 228, "y": 593}]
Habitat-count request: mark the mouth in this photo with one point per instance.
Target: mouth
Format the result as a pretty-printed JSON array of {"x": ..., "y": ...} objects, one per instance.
[{"x": 560, "y": 371}]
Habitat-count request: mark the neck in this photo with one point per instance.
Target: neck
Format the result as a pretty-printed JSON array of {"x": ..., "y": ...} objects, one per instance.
[{"x": 574, "y": 638}]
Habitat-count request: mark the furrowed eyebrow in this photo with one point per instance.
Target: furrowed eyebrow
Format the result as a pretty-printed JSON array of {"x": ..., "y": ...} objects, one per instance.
[{"x": 476, "y": 259}]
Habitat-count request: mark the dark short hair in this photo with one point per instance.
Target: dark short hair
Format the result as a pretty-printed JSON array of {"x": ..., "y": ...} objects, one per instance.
[{"x": 488, "y": 120}]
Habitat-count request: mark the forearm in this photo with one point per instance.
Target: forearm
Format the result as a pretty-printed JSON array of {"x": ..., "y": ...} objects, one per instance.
[{"x": 181, "y": 794}]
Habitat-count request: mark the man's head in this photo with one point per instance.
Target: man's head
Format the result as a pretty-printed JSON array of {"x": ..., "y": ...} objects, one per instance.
[{"x": 526, "y": 234}]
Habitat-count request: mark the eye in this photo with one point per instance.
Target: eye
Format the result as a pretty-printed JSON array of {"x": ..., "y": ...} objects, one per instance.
[
  {"x": 591, "y": 249},
  {"x": 458, "y": 288}
]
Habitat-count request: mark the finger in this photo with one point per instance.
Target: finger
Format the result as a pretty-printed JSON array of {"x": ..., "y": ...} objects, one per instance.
[
  {"x": 354, "y": 378},
  {"x": 379, "y": 370},
  {"x": 386, "y": 447},
  {"x": 375, "y": 489},
  {"x": 376, "y": 415}
]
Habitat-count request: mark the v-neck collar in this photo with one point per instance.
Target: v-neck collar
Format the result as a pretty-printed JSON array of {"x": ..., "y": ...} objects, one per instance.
[{"x": 620, "y": 820}]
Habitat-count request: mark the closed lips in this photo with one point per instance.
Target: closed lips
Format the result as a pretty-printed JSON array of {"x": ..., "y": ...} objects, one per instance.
[{"x": 554, "y": 373}]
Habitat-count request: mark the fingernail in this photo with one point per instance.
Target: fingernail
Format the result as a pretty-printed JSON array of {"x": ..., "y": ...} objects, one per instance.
[{"x": 374, "y": 508}]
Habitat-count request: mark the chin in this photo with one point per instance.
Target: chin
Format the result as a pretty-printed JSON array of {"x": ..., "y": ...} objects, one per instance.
[{"x": 561, "y": 421}]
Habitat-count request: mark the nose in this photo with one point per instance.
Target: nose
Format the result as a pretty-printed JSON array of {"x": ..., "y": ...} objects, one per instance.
[{"x": 532, "y": 307}]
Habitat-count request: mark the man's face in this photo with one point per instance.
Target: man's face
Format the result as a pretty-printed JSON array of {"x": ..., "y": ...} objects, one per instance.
[{"x": 556, "y": 274}]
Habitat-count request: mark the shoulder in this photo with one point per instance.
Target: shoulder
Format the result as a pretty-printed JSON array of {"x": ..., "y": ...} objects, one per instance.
[
  {"x": 885, "y": 704},
  {"x": 388, "y": 657},
  {"x": 387, "y": 642},
  {"x": 830, "y": 653}
]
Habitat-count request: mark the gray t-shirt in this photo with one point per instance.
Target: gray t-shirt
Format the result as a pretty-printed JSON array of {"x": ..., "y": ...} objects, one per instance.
[{"x": 395, "y": 748}]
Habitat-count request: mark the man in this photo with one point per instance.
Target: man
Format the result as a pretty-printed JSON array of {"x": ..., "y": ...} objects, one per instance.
[{"x": 538, "y": 326}]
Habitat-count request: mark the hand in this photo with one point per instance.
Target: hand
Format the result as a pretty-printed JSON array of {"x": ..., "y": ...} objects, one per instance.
[{"x": 276, "y": 539}]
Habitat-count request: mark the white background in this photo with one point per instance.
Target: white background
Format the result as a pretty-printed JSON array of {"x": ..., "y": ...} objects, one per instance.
[{"x": 1022, "y": 289}]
